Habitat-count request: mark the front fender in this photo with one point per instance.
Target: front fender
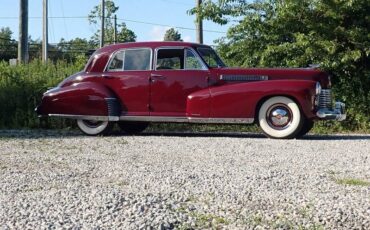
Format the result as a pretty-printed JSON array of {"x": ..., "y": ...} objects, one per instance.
[
  {"x": 83, "y": 98},
  {"x": 241, "y": 100}
]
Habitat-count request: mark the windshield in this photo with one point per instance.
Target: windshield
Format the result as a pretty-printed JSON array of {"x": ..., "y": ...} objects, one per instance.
[{"x": 211, "y": 57}]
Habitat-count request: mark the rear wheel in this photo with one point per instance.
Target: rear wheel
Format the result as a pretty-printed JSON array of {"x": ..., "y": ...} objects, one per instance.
[
  {"x": 133, "y": 127},
  {"x": 93, "y": 128},
  {"x": 280, "y": 117}
]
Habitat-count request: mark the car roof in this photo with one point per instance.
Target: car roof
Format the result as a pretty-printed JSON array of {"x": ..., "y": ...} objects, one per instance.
[
  {"x": 101, "y": 56},
  {"x": 150, "y": 44}
]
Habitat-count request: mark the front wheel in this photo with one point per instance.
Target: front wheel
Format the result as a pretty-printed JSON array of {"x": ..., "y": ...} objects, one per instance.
[
  {"x": 93, "y": 128},
  {"x": 280, "y": 117}
]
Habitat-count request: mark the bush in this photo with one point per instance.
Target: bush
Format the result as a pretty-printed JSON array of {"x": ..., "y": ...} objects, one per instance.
[{"x": 21, "y": 89}]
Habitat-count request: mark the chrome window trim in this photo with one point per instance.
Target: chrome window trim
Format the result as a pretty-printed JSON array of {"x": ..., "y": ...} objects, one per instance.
[
  {"x": 204, "y": 67},
  {"x": 177, "y": 47},
  {"x": 124, "y": 56}
]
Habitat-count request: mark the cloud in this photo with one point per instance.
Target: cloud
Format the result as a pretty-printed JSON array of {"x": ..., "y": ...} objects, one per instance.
[
  {"x": 157, "y": 33},
  {"x": 187, "y": 38}
]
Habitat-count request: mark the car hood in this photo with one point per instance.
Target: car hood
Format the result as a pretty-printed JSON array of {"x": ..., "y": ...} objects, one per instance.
[{"x": 275, "y": 74}]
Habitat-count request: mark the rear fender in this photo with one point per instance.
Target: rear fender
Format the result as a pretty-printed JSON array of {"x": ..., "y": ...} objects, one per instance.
[{"x": 83, "y": 98}]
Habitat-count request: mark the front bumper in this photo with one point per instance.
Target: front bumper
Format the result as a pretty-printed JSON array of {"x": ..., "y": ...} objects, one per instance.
[{"x": 338, "y": 113}]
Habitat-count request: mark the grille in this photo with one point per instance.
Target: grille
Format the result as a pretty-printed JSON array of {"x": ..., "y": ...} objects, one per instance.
[{"x": 325, "y": 99}]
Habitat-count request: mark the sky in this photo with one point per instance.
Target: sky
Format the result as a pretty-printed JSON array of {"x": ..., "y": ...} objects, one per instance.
[{"x": 149, "y": 19}]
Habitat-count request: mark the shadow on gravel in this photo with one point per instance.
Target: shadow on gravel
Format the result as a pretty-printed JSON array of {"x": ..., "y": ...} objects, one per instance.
[{"x": 43, "y": 134}]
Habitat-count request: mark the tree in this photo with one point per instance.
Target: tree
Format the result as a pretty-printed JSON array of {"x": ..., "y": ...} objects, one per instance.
[
  {"x": 8, "y": 46},
  {"x": 292, "y": 33},
  {"x": 123, "y": 33},
  {"x": 172, "y": 35}
]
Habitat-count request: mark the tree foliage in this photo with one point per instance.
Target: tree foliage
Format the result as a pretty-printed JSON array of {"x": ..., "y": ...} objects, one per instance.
[
  {"x": 296, "y": 33},
  {"x": 172, "y": 35},
  {"x": 123, "y": 33},
  {"x": 8, "y": 47}
]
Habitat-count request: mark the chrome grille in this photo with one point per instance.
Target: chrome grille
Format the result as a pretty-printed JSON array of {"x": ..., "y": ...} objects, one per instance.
[{"x": 325, "y": 99}]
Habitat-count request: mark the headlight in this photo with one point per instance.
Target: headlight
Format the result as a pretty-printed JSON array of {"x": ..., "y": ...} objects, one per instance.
[{"x": 318, "y": 88}]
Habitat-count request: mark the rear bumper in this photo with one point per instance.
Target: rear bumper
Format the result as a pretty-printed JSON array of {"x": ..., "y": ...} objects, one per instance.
[{"x": 337, "y": 113}]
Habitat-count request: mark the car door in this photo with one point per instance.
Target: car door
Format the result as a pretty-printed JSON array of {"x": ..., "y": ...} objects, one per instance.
[
  {"x": 127, "y": 75},
  {"x": 178, "y": 72}
]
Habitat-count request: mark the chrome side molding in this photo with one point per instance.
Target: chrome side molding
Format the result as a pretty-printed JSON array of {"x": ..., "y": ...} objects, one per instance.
[{"x": 159, "y": 119}]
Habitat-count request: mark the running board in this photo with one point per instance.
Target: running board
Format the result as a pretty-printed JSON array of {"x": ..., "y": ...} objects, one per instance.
[{"x": 159, "y": 119}]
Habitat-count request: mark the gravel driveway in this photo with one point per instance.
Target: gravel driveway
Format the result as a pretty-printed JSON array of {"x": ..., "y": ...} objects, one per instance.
[{"x": 54, "y": 180}]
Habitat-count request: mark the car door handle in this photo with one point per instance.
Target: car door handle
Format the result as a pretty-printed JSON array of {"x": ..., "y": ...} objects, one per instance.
[
  {"x": 107, "y": 76},
  {"x": 157, "y": 76}
]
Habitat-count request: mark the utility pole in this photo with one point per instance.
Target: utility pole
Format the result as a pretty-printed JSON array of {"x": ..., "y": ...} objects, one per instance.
[
  {"x": 102, "y": 23},
  {"x": 199, "y": 23},
  {"x": 23, "y": 32},
  {"x": 115, "y": 29},
  {"x": 45, "y": 32}
]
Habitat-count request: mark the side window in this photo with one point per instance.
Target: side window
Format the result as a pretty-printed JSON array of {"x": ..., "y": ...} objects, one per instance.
[
  {"x": 192, "y": 61},
  {"x": 137, "y": 59},
  {"x": 170, "y": 59},
  {"x": 116, "y": 62}
]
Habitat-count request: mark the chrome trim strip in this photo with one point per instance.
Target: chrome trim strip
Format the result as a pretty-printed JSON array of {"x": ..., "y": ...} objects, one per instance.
[
  {"x": 159, "y": 119},
  {"x": 221, "y": 120},
  {"x": 86, "y": 117},
  {"x": 154, "y": 119},
  {"x": 188, "y": 119},
  {"x": 232, "y": 77}
]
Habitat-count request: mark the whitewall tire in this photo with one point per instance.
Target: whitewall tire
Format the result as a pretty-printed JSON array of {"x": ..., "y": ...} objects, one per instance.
[
  {"x": 280, "y": 117},
  {"x": 92, "y": 128}
]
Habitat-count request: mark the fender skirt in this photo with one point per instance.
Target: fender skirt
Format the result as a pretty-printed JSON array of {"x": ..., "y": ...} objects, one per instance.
[{"x": 85, "y": 100}]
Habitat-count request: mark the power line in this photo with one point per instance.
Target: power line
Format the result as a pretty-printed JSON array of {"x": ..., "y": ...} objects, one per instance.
[{"x": 125, "y": 20}]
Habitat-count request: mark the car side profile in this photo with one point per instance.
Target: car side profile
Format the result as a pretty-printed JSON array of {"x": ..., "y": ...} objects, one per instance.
[{"x": 134, "y": 84}]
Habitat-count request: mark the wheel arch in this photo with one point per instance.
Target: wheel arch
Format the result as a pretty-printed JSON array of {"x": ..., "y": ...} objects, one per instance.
[{"x": 266, "y": 97}]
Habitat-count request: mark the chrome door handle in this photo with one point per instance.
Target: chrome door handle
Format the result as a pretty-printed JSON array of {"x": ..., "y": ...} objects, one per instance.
[{"x": 157, "y": 76}]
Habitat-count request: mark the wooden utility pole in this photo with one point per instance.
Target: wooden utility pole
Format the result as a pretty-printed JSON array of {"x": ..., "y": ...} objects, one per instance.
[
  {"x": 23, "y": 32},
  {"x": 102, "y": 23},
  {"x": 115, "y": 29},
  {"x": 45, "y": 33},
  {"x": 199, "y": 23}
]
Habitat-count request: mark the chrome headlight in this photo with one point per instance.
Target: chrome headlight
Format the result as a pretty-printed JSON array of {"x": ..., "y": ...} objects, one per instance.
[{"x": 318, "y": 88}]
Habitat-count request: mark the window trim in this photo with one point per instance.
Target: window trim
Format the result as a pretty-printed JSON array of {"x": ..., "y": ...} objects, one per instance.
[
  {"x": 200, "y": 60},
  {"x": 205, "y": 67},
  {"x": 124, "y": 56}
]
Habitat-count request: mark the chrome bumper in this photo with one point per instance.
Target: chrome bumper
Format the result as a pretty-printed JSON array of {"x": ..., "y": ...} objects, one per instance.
[{"x": 338, "y": 113}]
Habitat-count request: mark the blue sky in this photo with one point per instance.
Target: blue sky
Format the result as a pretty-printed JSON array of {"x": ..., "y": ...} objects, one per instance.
[{"x": 146, "y": 13}]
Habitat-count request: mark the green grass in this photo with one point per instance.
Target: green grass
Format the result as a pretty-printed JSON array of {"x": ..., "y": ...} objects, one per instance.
[{"x": 352, "y": 182}]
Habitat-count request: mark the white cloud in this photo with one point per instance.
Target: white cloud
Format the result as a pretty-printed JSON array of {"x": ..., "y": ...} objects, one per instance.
[
  {"x": 187, "y": 38},
  {"x": 157, "y": 33}
]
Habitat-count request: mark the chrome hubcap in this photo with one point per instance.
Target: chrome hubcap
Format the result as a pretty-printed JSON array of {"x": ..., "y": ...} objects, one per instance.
[
  {"x": 279, "y": 116},
  {"x": 92, "y": 123}
]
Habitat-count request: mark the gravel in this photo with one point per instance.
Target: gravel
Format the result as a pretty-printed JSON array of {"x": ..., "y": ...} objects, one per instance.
[{"x": 53, "y": 180}]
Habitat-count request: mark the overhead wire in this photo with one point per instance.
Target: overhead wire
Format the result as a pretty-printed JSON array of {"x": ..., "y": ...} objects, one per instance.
[{"x": 125, "y": 20}]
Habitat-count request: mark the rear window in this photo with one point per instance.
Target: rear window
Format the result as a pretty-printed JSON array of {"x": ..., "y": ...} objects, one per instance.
[{"x": 130, "y": 59}]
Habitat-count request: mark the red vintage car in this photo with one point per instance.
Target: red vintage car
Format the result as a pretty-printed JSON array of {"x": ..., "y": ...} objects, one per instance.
[{"x": 133, "y": 84}]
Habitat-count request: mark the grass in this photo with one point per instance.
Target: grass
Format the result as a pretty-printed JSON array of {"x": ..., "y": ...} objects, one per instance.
[
  {"x": 352, "y": 182},
  {"x": 347, "y": 180}
]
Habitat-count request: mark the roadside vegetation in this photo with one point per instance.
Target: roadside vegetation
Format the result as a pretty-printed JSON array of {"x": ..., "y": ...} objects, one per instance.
[{"x": 267, "y": 33}]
